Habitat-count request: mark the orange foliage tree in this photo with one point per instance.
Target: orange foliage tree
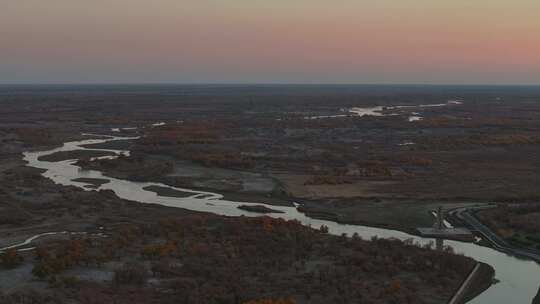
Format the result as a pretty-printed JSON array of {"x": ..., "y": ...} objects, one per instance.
[
  {"x": 11, "y": 258},
  {"x": 272, "y": 301}
]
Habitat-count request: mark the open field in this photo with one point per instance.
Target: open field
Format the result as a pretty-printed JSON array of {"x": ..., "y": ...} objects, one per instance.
[{"x": 277, "y": 144}]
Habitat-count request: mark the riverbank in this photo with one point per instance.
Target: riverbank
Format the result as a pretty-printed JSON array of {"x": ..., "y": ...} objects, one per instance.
[
  {"x": 215, "y": 202},
  {"x": 141, "y": 231},
  {"x": 477, "y": 281},
  {"x": 398, "y": 214},
  {"x": 466, "y": 216},
  {"x": 252, "y": 258},
  {"x": 455, "y": 150}
]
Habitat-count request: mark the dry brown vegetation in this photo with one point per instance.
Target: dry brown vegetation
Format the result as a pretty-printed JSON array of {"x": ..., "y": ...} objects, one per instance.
[
  {"x": 223, "y": 160},
  {"x": 481, "y": 150},
  {"x": 207, "y": 259},
  {"x": 460, "y": 142},
  {"x": 198, "y": 133},
  {"x": 517, "y": 223}
]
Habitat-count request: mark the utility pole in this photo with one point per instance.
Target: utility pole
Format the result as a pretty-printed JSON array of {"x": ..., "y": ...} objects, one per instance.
[{"x": 440, "y": 218}]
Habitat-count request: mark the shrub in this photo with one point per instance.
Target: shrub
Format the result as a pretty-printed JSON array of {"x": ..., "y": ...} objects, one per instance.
[
  {"x": 42, "y": 270},
  {"x": 130, "y": 274},
  {"x": 11, "y": 258}
]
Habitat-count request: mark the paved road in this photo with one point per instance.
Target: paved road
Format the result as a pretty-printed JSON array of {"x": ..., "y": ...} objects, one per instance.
[
  {"x": 460, "y": 294},
  {"x": 497, "y": 242}
]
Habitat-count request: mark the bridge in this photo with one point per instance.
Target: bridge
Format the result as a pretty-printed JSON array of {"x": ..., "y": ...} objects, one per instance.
[{"x": 443, "y": 230}]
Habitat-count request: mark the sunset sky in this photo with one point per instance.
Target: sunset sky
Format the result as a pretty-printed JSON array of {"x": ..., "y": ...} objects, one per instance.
[{"x": 262, "y": 41}]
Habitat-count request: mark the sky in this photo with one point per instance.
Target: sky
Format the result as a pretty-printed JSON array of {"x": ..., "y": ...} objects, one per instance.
[{"x": 278, "y": 41}]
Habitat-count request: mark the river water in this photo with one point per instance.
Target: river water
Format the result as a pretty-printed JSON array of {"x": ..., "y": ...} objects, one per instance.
[{"x": 519, "y": 279}]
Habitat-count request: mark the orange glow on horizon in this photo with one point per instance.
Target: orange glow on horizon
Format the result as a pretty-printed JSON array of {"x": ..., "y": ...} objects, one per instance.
[{"x": 413, "y": 41}]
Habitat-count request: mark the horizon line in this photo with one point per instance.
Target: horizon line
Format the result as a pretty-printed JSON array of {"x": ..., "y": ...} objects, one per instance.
[{"x": 259, "y": 84}]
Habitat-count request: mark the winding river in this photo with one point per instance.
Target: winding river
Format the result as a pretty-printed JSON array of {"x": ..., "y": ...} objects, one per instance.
[{"x": 519, "y": 279}]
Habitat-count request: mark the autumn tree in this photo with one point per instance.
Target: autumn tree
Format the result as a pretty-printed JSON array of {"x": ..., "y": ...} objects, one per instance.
[
  {"x": 11, "y": 258},
  {"x": 272, "y": 301},
  {"x": 324, "y": 229},
  {"x": 130, "y": 274}
]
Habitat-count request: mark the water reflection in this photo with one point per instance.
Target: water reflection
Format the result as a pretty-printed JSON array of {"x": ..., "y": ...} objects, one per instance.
[{"x": 518, "y": 278}]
